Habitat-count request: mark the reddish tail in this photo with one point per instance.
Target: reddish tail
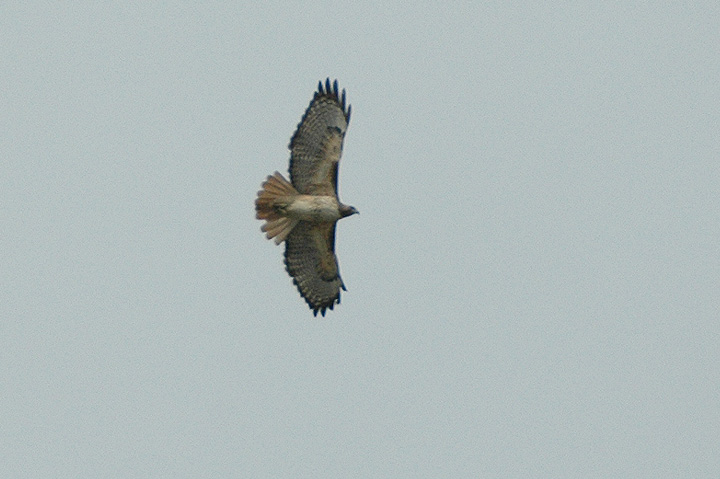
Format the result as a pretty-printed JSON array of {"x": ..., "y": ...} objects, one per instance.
[{"x": 276, "y": 192}]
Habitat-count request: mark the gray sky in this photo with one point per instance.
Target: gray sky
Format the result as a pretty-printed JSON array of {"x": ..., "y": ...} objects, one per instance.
[{"x": 532, "y": 282}]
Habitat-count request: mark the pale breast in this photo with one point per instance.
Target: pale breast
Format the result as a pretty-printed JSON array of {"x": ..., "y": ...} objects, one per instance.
[{"x": 314, "y": 208}]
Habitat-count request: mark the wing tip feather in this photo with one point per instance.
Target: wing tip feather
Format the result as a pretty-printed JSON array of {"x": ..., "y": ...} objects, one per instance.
[
  {"x": 319, "y": 305},
  {"x": 327, "y": 91}
]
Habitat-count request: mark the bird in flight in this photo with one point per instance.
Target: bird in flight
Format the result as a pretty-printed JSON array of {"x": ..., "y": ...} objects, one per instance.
[{"x": 303, "y": 212}]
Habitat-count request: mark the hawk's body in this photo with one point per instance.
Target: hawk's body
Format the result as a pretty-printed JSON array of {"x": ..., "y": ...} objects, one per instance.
[{"x": 304, "y": 211}]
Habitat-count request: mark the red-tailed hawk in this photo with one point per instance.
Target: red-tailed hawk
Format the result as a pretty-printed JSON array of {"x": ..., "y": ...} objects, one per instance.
[{"x": 304, "y": 211}]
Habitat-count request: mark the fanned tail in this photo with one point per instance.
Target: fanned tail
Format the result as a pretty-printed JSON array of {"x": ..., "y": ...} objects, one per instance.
[{"x": 276, "y": 193}]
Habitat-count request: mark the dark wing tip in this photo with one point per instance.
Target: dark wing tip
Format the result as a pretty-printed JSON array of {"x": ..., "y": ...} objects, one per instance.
[
  {"x": 316, "y": 307},
  {"x": 332, "y": 90},
  {"x": 321, "y": 309}
]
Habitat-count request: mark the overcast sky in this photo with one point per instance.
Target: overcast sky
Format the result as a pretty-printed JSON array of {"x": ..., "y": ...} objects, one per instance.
[{"x": 533, "y": 281}]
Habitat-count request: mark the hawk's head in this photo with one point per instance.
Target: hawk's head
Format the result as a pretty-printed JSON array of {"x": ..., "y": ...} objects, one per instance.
[{"x": 346, "y": 210}]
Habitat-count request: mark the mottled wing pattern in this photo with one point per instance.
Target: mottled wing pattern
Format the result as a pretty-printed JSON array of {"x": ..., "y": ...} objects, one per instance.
[
  {"x": 310, "y": 260},
  {"x": 317, "y": 143}
]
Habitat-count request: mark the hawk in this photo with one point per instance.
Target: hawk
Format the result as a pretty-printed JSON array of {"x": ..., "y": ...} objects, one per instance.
[{"x": 303, "y": 212}]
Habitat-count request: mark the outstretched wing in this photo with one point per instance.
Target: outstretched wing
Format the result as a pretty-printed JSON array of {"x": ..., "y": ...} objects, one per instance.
[
  {"x": 310, "y": 260},
  {"x": 317, "y": 143}
]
